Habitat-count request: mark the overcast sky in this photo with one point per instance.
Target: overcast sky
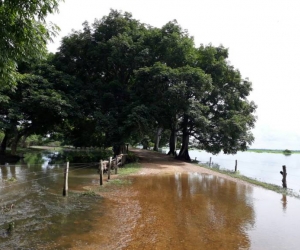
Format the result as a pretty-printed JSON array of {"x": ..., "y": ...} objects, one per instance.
[{"x": 262, "y": 37}]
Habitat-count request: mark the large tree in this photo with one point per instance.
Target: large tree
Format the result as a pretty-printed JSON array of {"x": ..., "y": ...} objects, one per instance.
[
  {"x": 206, "y": 103},
  {"x": 103, "y": 58},
  {"x": 227, "y": 117},
  {"x": 132, "y": 79},
  {"x": 23, "y": 34},
  {"x": 36, "y": 106},
  {"x": 171, "y": 48}
]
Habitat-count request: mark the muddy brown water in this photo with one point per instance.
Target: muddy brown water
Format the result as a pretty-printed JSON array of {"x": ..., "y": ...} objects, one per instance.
[{"x": 166, "y": 211}]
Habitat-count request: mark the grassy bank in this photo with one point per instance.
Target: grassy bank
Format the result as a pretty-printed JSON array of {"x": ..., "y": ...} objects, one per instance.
[
  {"x": 273, "y": 187},
  {"x": 131, "y": 168},
  {"x": 116, "y": 180}
]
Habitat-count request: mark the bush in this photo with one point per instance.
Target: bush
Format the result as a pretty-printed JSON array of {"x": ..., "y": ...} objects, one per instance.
[
  {"x": 131, "y": 158},
  {"x": 287, "y": 152}
]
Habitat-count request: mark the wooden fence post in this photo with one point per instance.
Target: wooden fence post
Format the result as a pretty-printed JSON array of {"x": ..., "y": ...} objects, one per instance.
[
  {"x": 283, "y": 173},
  {"x": 123, "y": 159},
  {"x": 101, "y": 173},
  {"x": 235, "y": 168},
  {"x": 109, "y": 167},
  {"x": 66, "y": 175},
  {"x": 116, "y": 167},
  {"x": 209, "y": 161}
]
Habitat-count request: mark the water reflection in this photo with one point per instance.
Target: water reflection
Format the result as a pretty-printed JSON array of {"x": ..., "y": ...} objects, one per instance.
[
  {"x": 40, "y": 213},
  {"x": 4, "y": 172},
  {"x": 192, "y": 211},
  {"x": 284, "y": 202}
]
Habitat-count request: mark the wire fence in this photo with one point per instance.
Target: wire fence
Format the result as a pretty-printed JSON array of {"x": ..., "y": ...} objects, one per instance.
[
  {"x": 265, "y": 171},
  {"x": 86, "y": 165}
]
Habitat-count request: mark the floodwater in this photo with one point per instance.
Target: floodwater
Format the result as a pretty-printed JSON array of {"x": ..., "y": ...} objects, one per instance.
[
  {"x": 264, "y": 167},
  {"x": 195, "y": 211},
  {"x": 170, "y": 211},
  {"x": 33, "y": 212}
]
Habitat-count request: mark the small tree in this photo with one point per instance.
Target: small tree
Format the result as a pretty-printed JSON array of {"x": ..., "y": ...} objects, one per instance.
[{"x": 287, "y": 152}]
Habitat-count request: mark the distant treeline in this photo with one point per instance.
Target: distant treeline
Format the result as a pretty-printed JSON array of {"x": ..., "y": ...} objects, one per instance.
[{"x": 273, "y": 151}]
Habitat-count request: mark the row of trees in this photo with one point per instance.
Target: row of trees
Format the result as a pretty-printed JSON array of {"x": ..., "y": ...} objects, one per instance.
[{"x": 119, "y": 80}]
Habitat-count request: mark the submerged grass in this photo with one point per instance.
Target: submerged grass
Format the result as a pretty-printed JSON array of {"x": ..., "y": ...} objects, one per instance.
[
  {"x": 117, "y": 180},
  {"x": 12, "y": 179},
  {"x": 131, "y": 168},
  {"x": 237, "y": 175},
  {"x": 120, "y": 182},
  {"x": 128, "y": 169},
  {"x": 89, "y": 193}
]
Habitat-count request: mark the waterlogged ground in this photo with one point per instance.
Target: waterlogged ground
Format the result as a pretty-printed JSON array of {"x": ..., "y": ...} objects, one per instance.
[{"x": 168, "y": 205}]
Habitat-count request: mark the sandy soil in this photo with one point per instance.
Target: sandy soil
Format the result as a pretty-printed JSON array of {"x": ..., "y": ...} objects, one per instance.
[{"x": 157, "y": 163}]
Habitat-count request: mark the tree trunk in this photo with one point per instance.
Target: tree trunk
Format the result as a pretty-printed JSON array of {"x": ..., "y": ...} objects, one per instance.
[
  {"x": 145, "y": 143},
  {"x": 23, "y": 142},
  {"x": 3, "y": 145},
  {"x": 172, "y": 143},
  {"x": 14, "y": 144},
  {"x": 158, "y": 136},
  {"x": 184, "y": 151},
  {"x": 119, "y": 149}
]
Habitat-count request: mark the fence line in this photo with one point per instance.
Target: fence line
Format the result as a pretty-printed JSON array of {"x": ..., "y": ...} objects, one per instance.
[
  {"x": 60, "y": 165},
  {"x": 283, "y": 173},
  {"x": 45, "y": 177}
]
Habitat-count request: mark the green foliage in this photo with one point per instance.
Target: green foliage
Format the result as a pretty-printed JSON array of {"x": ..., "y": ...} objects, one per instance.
[
  {"x": 24, "y": 34},
  {"x": 131, "y": 158},
  {"x": 287, "y": 152},
  {"x": 79, "y": 156},
  {"x": 103, "y": 58},
  {"x": 34, "y": 140},
  {"x": 119, "y": 80},
  {"x": 1, "y": 135},
  {"x": 36, "y": 106}
]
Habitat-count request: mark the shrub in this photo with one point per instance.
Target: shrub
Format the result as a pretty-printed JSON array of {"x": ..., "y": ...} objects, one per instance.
[
  {"x": 287, "y": 152},
  {"x": 131, "y": 158}
]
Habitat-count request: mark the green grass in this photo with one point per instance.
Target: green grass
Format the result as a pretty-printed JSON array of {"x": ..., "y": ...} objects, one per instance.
[
  {"x": 12, "y": 179},
  {"x": 273, "y": 187},
  {"x": 120, "y": 179},
  {"x": 89, "y": 193},
  {"x": 131, "y": 168}
]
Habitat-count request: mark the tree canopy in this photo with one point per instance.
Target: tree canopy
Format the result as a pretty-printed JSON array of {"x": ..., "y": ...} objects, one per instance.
[
  {"x": 24, "y": 34},
  {"x": 119, "y": 80}
]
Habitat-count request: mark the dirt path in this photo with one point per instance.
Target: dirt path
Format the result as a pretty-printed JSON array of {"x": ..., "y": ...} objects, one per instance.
[
  {"x": 157, "y": 163},
  {"x": 140, "y": 218}
]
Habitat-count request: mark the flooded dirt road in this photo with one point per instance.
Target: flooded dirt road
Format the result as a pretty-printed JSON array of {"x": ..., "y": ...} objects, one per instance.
[{"x": 175, "y": 205}]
